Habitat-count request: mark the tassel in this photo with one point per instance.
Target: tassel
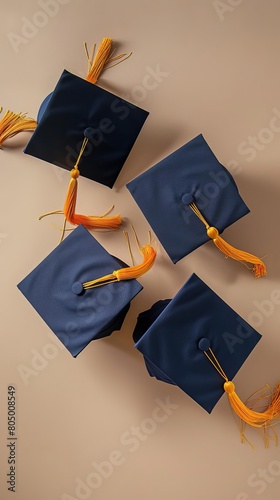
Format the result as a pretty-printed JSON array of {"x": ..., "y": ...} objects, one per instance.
[
  {"x": 87, "y": 220},
  {"x": 12, "y": 124},
  {"x": 103, "y": 58},
  {"x": 259, "y": 268},
  {"x": 261, "y": 420},
  {"x": 96, "y": 222},
  {"x": 127, "y": 273},
  {"x": 249, "y": 416}
]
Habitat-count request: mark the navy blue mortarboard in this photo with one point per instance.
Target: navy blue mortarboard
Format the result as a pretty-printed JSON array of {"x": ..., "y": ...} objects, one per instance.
[
  {"x": 171, "y": 333},
  {"x": 76, "y": 105},
  {"x": 198, "y": 342},
  {"x": 188, "y": 198},
  {"x": 55, "y": 289}
]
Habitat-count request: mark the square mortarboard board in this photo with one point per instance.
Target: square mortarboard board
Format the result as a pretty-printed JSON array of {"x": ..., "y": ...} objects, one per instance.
[
  {"x": 173, "y": 335},
  {"x": 74, "y": 106},
  {"x": 52, "y": 288},
  {"x": 190, "y": 174}
]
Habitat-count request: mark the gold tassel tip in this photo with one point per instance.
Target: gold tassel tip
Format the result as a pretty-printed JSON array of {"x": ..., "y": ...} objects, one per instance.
[
  {"x": 229, "y": 387},
  {"x": 13, "y": 123}
]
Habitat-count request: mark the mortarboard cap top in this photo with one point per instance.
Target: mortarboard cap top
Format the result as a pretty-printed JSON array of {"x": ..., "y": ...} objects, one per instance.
[
  {"x": 189, "y": 198},
  {"x": 53, "y": 289},
  {"x": 198, "y": 342},
  {"x": 65, "y": 288}
]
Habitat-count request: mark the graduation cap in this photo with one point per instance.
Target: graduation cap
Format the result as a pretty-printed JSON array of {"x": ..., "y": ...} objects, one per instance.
[
  {"x": 12, "y": 124},
  {"x": 78, "y": 104},
  {"x": 199, "y": 343},
  {"x": 66, "y": 289},
  {"x": 188, "y": 199}
]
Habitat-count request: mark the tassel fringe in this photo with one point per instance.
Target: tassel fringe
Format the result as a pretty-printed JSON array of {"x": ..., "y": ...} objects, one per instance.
[
  {"x": 87, "y": 220},
  {"x": 249, "y": 416},
  {"x": 263, "y": 420},
  {"x": 259, "y": 268},
  {"x": 103, "y": 57},
  {"x": 12, "y": 124}
]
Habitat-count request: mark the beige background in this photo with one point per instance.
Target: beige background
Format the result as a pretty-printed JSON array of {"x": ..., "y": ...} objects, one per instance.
[{"x": 219, "y": 67}]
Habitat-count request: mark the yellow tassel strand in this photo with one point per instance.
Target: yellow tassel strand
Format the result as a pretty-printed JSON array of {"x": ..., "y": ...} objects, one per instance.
[
  {"x": 71, "y": 198},
  {"x": 87, "y": 220},
  {"x": 12, "y": 124},
  {"x": 259, "y": 401},
  {"x": 261, "y": 420},
  {"x": 259, "y": 268},
  {"x": 91, "y": 221},
  {"x": 104, "y": 56},
  {"x": 127, "y": 273},
  {"x": 249, "y": 416}
]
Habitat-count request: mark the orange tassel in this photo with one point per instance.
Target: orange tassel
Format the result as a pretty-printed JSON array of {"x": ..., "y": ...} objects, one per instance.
[
  {"x": 96, "y": 222},
  {"x": 259, "y": 268},
  {"x": 102, "y": 59},
  {"x": 127, "y": 273},
  {"x": 86, "y": 220},
  {"x": 249, "y": 416},
  {"x": 262, "y": 420},
  {"x": 12, "y": 124}
]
